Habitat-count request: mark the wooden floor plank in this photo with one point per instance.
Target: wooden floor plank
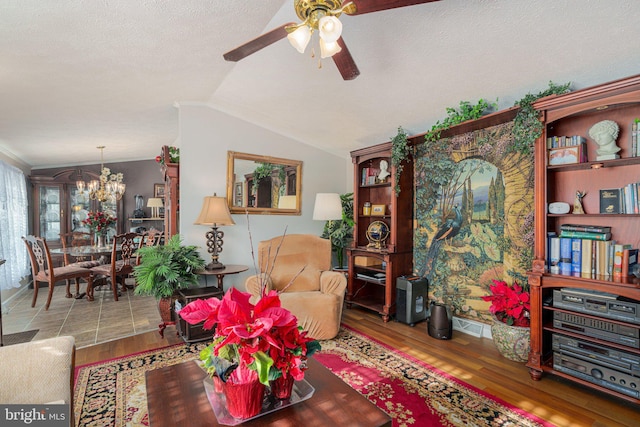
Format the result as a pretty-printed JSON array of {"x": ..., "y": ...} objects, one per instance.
[{"x": 473, "y": 360}]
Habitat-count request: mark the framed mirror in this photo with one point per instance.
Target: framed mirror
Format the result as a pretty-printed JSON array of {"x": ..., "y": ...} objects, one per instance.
[{"x": 263, "y": 184}]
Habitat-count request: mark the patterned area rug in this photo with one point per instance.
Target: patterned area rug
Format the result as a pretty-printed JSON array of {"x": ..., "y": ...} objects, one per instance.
[
  {"x": 113, "y": 393},
  {"x": 19, "y": 337}
]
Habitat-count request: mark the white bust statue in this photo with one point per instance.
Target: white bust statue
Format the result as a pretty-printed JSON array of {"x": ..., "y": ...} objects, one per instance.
[
  {"x": 605, "y": 133},
  {"x": 384, "y": 170}
]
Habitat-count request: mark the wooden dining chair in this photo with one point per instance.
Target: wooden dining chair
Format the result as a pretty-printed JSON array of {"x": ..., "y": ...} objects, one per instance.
[
  {"x": 43, "y": 270},
  {"x": 122, "y": 261},
  {"x": 76, "y": 239}
]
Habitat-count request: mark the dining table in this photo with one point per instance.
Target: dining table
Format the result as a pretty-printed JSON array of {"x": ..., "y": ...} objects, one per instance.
[{"x": 85, "y": 252}]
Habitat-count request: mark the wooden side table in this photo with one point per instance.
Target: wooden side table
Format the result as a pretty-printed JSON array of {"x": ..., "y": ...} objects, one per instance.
[
  {"x": 221, "y": 272},
  {"x": 194, "y": 333}
]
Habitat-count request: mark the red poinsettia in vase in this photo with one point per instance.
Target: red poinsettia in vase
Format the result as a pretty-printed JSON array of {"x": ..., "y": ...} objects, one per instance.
[
  {"x": 509, "y": 303},
  {"x": 259, "y": 344}
]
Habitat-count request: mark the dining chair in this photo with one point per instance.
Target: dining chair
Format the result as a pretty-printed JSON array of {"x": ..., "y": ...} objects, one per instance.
[
  {"x": 43, "y": 270},
  {"x": 122, "y": 261},
  {"x": 77, "y": 239}
]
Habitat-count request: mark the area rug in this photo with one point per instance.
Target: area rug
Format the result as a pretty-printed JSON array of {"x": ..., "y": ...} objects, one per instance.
[
  {"x": 412, "y": 392},
  {"x": 19, "y": 337},
  {"x": 113, "y": 393}
]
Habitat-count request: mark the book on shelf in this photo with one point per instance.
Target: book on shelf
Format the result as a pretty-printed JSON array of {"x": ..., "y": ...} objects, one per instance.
[
  {"x": 629, "y": 261},
  {"x": 554, "y": 255},
  {"x": 588, "y": 228},
  {"x": 576, "y": 257},
  {"x": 587, "y": 260},
  {"x": 369, "y": 176},
  {"x": 618, "y": 253},
  {"x": 585, "y": 235},
  {"x": 610, "y": 202},
  {"x": 565, "y": 256},
  {"x": 565, "y": 141}
]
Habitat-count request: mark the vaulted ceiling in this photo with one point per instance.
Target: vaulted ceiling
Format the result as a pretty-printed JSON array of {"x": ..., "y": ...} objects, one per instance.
[{"x": 78, "y": 74}]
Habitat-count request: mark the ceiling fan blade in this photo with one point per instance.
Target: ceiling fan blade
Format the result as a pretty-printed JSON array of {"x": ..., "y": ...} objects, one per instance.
[
  {"x": 258, "y": 43},
  {"x": 345, "y": 63},
  {"x": 368, "y": 6}
]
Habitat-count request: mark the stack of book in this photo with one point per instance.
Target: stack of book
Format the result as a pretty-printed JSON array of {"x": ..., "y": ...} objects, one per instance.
[{"x": 587, "y": 251}]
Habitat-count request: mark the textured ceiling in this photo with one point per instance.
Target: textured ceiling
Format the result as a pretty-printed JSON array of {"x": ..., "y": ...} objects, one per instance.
[{"x": 77, "y": 74}]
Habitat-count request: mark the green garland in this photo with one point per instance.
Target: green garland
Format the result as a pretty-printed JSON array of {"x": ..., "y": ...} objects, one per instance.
[{"x": 399, "y": 153}]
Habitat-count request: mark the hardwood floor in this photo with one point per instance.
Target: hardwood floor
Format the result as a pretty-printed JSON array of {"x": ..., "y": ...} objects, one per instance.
[{"x": 473, "y": 360}]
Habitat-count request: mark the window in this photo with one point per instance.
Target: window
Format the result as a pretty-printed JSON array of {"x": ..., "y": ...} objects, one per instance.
[{"x": 13, "y": 225}]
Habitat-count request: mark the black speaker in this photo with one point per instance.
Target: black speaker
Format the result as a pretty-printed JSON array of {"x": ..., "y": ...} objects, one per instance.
[
  {"x": 440, "y": 322},
  {"x": 411, "y": 299}
]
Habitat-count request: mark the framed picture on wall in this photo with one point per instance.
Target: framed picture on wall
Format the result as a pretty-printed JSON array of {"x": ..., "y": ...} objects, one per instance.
[
  {"x": 158, "y": 190},
  {"x": 238, "y": 194}
]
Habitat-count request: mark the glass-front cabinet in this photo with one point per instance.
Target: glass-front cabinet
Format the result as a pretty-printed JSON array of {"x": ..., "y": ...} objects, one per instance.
[{"x": 59, "y": 207}]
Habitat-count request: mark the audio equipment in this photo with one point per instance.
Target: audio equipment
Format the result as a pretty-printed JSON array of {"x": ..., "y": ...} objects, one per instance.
[
  {"x": 558, "y": 208},
  {"x": 602, "y": 355},
  {"x": 597, "y": 303},
  {"x": 597, "y": 328},
  {"x": 597, "y": 374},
  {"x": 411, "y": 299}
]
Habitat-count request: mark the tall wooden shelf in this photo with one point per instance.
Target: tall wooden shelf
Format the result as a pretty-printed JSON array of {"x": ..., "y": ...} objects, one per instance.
[
  {"x": 574, "y": 114},
  {"x": 171, "y": 177},
  {"x": 395, "y": 258}
]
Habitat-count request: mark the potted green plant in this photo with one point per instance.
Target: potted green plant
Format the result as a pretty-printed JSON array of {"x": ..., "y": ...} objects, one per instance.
[
  {"x": 164, "y": 269},
  {"x": 340, "y": 231}
]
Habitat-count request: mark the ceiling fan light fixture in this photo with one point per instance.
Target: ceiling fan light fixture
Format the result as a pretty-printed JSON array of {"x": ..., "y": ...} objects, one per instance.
[
  {"x": 329, "y": 49},
  {"x": 330, "y": 28},
  {"x": 299, "y": 38}
]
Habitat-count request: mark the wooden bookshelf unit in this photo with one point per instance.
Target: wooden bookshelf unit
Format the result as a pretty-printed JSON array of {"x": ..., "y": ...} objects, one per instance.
[
  {"x": 395, "y": 257},
  {"x": 574, "y": 114}
]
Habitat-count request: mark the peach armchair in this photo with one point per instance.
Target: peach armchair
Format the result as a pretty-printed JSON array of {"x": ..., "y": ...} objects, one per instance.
[{"x": 316, "y": 295}]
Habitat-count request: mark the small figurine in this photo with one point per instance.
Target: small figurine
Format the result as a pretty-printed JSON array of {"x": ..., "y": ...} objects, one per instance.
[
  {"x": 384, "y": 171},
  {"x": 605, "y": 133},
  {"x": 577, "y": 204}
]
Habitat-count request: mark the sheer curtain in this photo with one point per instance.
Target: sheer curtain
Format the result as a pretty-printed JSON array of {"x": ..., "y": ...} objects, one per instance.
[{"x": 13, "y": 225}]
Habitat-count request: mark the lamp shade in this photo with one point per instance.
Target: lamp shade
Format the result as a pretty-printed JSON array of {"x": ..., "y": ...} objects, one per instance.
[
  {"x": 328, "y": 207},
  {"x": 330, "y": 28},
  {"x": 300, "y": 38},
  {"x": 328, "y": 49},
  {"x": 214, "y": 212},
  {"x": 154, "y": 202}
]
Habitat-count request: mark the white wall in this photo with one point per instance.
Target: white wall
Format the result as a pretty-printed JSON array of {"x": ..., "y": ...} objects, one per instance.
[{"x": 205, "y": 137}]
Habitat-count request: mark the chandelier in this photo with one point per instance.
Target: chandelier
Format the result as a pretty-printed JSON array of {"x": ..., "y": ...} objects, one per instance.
[
  {"x": 110, "y": 186},
  {"x": 321, "y": 16}
]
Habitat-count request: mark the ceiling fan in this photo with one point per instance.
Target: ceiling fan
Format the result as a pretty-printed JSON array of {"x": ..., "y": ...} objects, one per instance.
[{"x": 321, "y": 16}]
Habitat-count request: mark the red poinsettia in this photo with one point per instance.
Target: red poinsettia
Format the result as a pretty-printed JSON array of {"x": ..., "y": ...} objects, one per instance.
[
  {"x": 509, "y": 303},
  {"x": 262, "y": 340}
]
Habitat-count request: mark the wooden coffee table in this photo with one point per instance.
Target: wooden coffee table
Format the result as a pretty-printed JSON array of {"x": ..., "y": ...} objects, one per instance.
[{"x": 176, "y": 397}]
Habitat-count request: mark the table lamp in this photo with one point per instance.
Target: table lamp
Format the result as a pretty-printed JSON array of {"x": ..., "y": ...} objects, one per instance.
[
  {"x": 155, "y": 203},
  {"x": 214, "y": 212}
]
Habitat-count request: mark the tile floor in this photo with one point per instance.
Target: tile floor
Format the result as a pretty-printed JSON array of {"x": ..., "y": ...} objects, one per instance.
[{"x": 89, "y": 322}]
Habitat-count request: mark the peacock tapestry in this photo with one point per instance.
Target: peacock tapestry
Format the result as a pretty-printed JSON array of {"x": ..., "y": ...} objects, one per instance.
[{"x": 474, "y": 216}]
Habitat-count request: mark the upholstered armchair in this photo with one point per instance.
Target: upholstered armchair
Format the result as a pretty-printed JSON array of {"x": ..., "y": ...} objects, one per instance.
[{"x": 316, "y": 294}]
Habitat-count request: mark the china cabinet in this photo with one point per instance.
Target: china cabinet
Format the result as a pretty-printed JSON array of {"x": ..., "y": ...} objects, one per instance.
[
  {"x": 383, "y": 239},
  {"x": 171, "y": 176},
  {"x": 582, "y": 328},
  {"x": 58, "y": 206}
]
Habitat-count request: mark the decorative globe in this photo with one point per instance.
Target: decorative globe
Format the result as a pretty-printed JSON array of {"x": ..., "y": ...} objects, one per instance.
[{"x": 377, "y": 234}]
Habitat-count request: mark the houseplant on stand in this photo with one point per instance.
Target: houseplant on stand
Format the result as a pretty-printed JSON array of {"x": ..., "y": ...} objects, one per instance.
[
  {"x": 164, "y": 269},
  {"x": 340, "y": 231},
  {"x": 510, "y": 328}
]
